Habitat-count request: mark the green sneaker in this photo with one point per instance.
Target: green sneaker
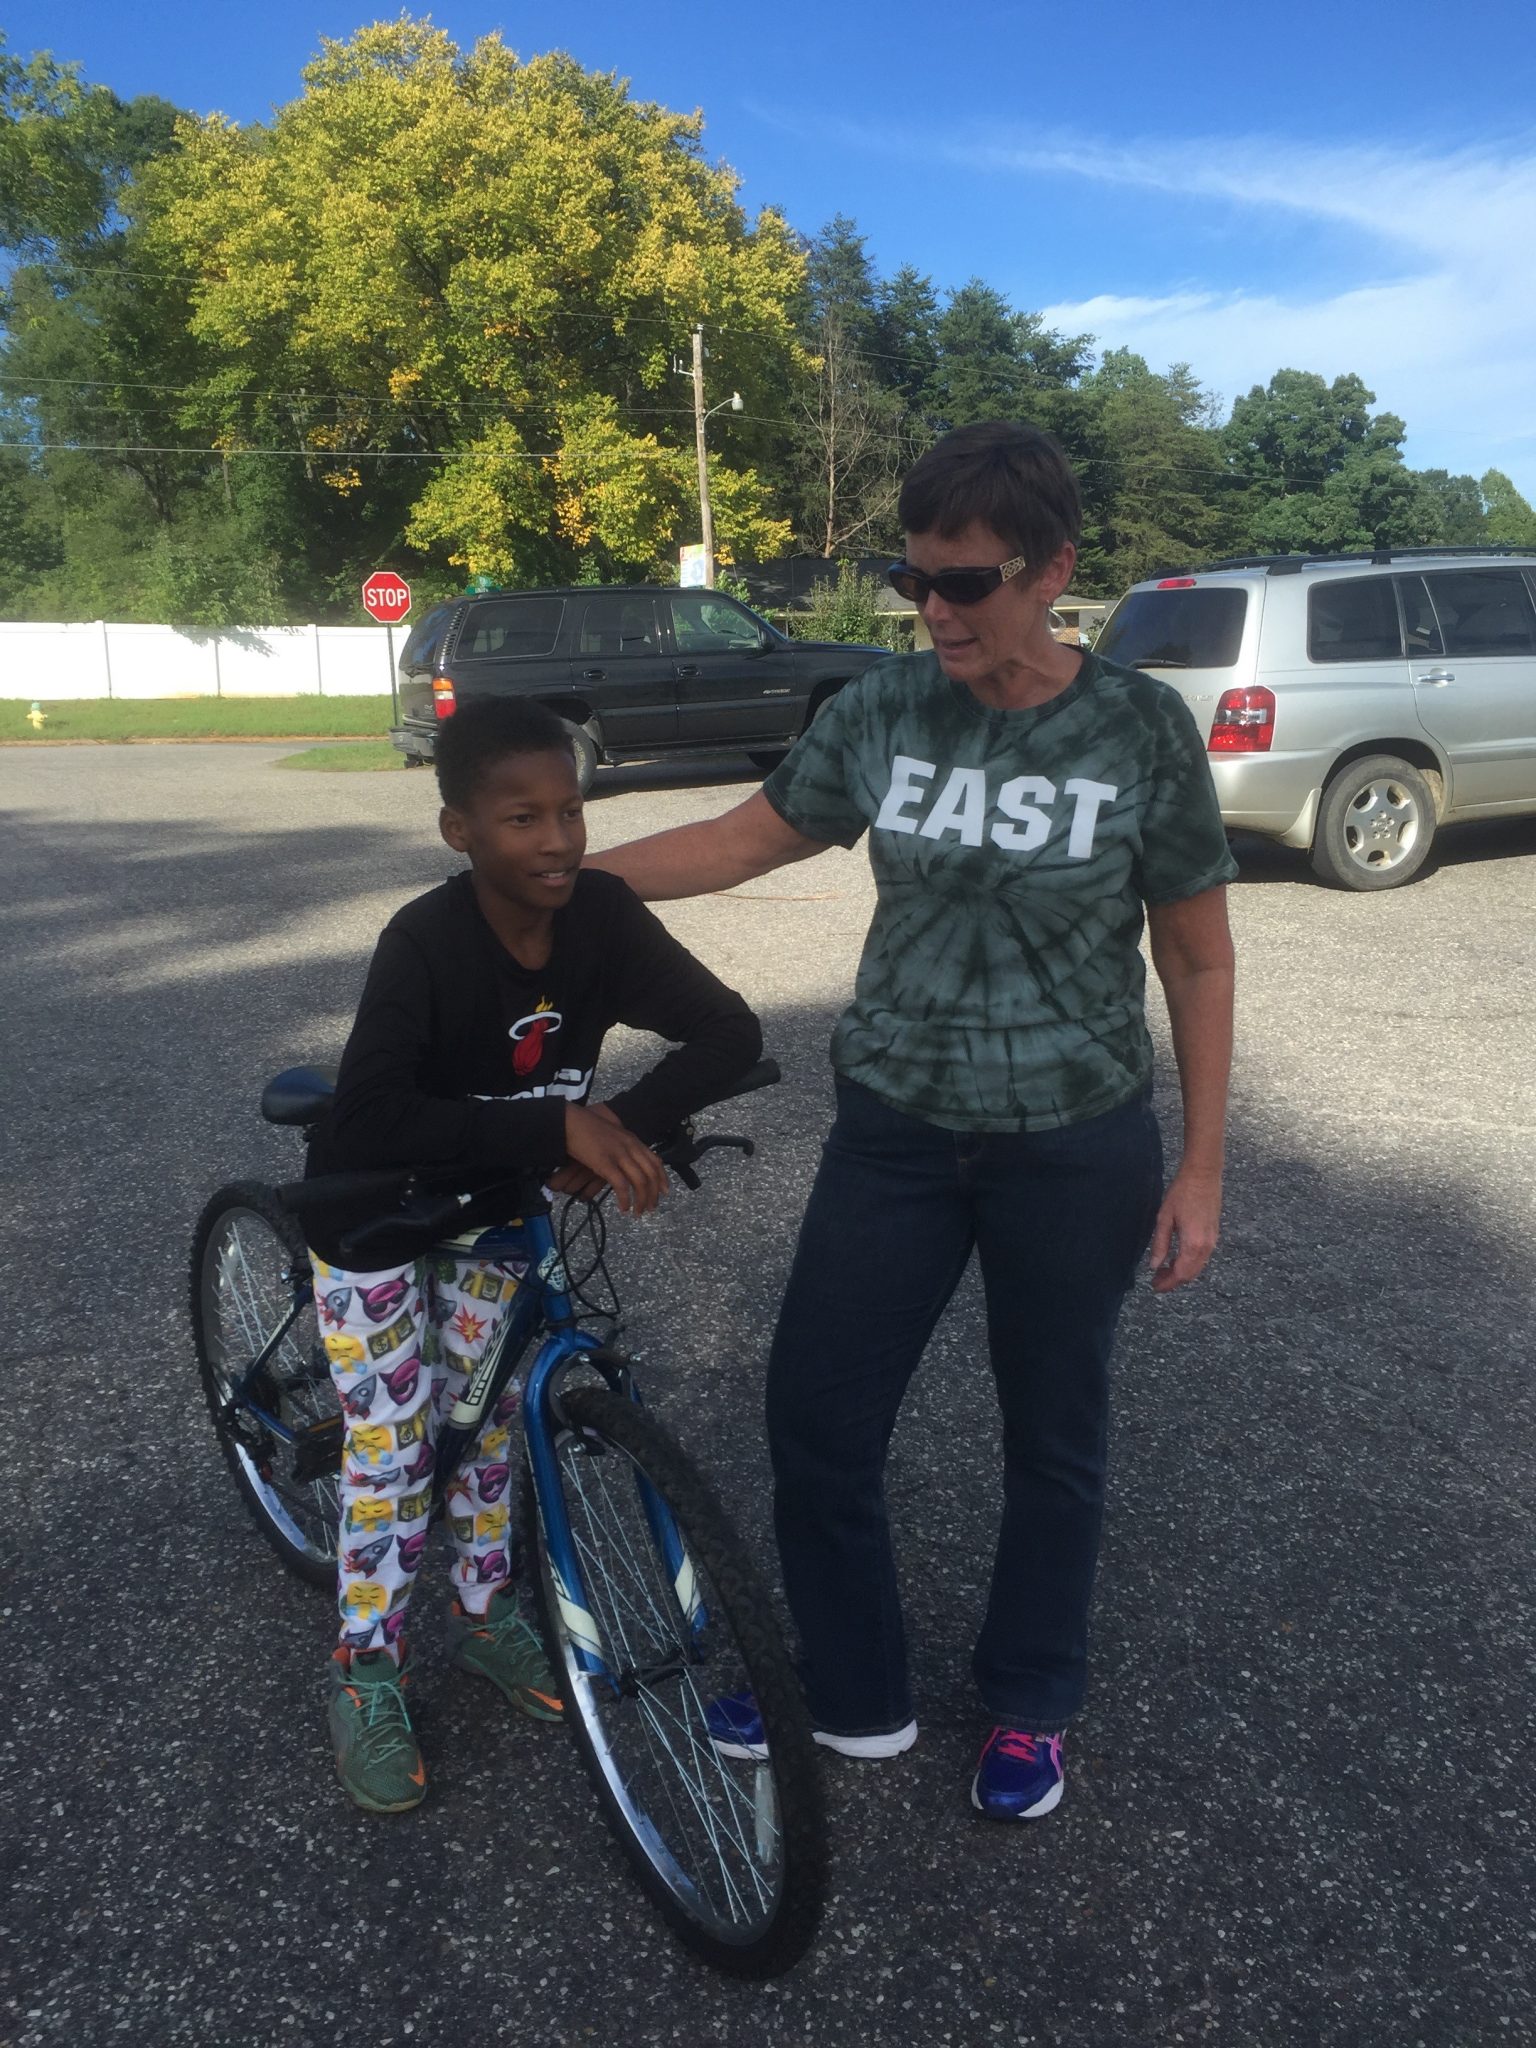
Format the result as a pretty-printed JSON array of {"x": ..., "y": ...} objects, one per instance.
[
  {"x": 377, "y": 1760},
  {"x": 503, "y": 1647}
]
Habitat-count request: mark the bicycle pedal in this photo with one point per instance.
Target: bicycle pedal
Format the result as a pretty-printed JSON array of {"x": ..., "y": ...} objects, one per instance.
[{"x": 317, "y": 1450}]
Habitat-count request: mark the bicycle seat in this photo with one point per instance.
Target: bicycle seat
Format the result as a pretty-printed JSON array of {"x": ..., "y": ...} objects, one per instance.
[{"x": 298, "y": 1095}]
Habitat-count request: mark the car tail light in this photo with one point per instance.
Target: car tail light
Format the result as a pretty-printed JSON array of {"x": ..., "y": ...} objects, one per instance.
[
  {"x": 443, "y": 701},
  {"x": 1244, "y": 722},
  {"x": 1177, "y": 583}
]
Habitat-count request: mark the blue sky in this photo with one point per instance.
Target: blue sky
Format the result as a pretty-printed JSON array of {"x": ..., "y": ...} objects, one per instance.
[{"x": 1345, "y": 187}]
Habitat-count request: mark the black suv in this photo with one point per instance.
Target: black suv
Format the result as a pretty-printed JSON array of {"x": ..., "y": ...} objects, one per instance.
[{"x": 636, "y": 671}]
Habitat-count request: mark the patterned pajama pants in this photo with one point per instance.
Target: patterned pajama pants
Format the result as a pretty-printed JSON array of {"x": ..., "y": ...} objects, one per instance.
[{"x": 401, "y": 1345}]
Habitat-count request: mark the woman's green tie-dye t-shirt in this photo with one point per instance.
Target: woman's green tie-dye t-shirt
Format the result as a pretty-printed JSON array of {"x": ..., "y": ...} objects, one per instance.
[{"x": 1002, "y": 986}]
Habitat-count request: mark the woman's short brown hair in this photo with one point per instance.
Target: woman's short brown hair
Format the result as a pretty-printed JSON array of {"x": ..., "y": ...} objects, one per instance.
[{"x": 1001, "y": 474}]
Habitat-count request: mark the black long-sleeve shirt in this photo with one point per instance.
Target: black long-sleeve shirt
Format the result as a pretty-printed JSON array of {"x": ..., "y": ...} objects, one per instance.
[{"x": 461, "y": 1060}]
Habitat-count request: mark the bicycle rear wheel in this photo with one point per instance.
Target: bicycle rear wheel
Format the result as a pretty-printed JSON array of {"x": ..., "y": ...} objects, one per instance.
[
  {"x": 251, "y": 1285},
  {"x": 732, "y": 1852}
]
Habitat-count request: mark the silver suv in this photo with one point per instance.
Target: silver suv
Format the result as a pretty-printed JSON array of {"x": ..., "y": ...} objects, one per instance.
[{"x": 1351, "y": 703}]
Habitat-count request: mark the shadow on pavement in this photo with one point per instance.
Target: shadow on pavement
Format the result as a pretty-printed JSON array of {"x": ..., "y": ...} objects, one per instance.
[{"x": 1297, "y": 1808}]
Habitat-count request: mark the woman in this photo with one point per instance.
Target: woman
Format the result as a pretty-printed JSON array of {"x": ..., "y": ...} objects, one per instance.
[{"x": 1027, "y": 805}]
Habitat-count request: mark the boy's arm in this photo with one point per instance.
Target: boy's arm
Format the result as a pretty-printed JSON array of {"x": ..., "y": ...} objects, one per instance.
[{"x": 660, "y": 987}]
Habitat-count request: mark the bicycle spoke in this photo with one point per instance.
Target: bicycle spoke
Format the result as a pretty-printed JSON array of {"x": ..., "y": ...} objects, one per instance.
[
  {"x": 669, "y": 1595},
  {"x": 642, "y": 1623},
  {"x": 252, "y": 1292}
]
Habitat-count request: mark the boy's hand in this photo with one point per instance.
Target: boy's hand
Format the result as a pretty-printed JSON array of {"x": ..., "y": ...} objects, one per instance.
[
  {"x": 596, "y": 1140},
  {"x": 576, "y": 1180}
]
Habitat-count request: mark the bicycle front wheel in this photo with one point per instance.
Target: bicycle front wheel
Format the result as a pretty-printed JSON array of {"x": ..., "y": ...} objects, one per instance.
[
  {"x": 669, "y": 1615},
  {"x": 280, "y": 1427}
]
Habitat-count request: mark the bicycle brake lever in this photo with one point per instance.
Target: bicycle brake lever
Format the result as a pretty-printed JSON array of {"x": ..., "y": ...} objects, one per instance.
[{"x": 681, "y": 1158}]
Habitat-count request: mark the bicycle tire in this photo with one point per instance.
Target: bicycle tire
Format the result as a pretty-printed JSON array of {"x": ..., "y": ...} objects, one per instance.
[
  {"x": 625, "y": 1732},
  {"x": 250, "y": 1265}
]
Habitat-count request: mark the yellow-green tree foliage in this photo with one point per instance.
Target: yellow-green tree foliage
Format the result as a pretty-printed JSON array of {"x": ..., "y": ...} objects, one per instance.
[{"x": 444, "y": 254}]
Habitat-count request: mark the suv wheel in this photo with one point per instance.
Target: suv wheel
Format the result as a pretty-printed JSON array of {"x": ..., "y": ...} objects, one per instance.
[
  {"x": 1375, "y": 825},
  {"x": 584, "y": 747}
]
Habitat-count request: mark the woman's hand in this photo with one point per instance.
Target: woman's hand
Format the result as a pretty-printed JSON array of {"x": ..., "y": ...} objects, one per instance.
[
  {"x": 611, "y": 1156},
  {"x": 1188, "y": 1225},
  {"x": 1192, "y": 952}
]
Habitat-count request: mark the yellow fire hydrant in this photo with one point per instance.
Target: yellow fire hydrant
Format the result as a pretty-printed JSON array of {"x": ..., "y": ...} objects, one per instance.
[{"x": 36, "y": 717}]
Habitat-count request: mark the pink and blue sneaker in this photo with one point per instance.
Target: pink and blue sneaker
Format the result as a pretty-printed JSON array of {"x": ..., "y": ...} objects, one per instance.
[{"x": 1019, "y": 1776}]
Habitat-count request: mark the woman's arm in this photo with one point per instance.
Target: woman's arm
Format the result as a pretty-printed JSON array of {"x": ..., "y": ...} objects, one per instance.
[
  {"x": 1192, "y": 952},
  {"x": 716, "y": 853}
]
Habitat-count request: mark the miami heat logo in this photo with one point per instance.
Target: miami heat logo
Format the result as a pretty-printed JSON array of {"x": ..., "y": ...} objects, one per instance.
[{"x": 528, "y": 1035}]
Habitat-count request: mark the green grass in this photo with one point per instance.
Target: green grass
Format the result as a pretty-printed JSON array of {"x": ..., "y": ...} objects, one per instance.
[
  {"x": 375, "y": 756},
  {"x": 198, "y": 718}
]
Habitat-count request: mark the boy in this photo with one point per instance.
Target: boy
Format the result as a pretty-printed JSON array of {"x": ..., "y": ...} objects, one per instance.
[{"x": 472, "y": 1055}]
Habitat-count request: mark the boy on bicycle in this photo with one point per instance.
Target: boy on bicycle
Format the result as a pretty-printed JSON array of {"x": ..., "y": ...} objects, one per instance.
[{"x": 471, "y": 1059}]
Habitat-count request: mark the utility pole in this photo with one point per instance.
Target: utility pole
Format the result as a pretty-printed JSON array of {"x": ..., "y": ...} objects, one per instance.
[
  {"x": 701, "y": 419},
  {"x": 706, "y": 516}
]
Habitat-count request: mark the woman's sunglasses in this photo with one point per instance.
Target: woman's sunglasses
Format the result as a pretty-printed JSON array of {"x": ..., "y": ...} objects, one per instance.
[{"x": 955, "y": 586}]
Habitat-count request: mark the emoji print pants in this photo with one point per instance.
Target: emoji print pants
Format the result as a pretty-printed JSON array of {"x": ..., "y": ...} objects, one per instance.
[{"x": 401, "y": 1344}]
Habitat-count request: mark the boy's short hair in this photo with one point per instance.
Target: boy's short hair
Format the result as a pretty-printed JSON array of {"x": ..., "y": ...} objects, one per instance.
[
  {"x": 487, "y": 730},
  {"x": 1003, "y": 474}
]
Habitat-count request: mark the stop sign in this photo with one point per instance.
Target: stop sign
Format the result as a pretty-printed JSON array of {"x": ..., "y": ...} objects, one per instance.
[{"x": 387, "y": 596}]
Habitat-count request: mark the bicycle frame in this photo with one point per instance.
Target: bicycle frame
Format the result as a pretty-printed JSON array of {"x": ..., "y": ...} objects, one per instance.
[{"x": 543, "y": 1301}]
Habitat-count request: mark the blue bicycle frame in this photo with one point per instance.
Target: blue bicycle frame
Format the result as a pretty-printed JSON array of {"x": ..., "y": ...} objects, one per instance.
[{"x": 543, "y": 1299}]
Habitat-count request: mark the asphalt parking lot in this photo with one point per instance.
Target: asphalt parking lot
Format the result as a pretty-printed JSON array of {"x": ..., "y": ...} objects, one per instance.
[{"x": 1298, "y": 1808}]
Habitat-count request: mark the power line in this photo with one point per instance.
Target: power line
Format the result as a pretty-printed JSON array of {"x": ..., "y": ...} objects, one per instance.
[
  {"x": 337, "y": 457},
  {"x": 341, "y": 457},
  {"x": 405, "y": 411},
  {"x": 343, "y": 401}
]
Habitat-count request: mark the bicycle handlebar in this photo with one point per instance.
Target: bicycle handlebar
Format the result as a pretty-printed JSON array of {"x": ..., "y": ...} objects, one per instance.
[{"x": 432, "y": 1216}]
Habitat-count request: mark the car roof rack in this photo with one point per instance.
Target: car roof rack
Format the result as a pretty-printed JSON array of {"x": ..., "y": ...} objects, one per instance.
[{"x": 1292, "y": 565}]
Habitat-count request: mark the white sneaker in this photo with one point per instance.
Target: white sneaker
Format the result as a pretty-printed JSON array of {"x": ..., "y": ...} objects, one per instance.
[
  {"x": 736, "y": 1729},
  {"x": 869, "y": 1747}
]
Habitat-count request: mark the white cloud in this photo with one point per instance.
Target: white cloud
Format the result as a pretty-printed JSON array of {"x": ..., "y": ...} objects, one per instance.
[
  {"x": 1447, "y": 339},
  {"x": 1444, "y": 332}
]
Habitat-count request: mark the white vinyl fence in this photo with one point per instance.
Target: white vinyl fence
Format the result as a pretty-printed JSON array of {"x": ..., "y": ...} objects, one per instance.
[{"x": 46, "y": 663}]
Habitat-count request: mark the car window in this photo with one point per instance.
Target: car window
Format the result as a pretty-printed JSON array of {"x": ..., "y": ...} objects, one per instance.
[
  {"x": 1176, "y": 628},
  {"x": 1421, "y": 629},
  {"x": 1355, "y": 620},
  {"x": 1483, "y": 611},
  {"x": 705, "y": 624},
  {"x": 426, "y": 638},
  {"x": 616, "y": 625},
  {"x": 511, "y": 626}
]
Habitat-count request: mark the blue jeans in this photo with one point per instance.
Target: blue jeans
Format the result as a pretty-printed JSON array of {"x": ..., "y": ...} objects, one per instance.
[{"x": 1059, "y": 1220}]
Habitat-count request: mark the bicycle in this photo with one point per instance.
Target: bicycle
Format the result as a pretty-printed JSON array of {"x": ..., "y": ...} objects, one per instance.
[{"x": 649, "y": 1603}]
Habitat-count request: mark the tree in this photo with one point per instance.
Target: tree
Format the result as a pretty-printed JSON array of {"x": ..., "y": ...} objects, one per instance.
[
  {"x": 845, "y": 609},
  {"x": 847, "y": 445},
  {"x": 1510, "y": 520},
  {"x": 1298, "y": 429},
  {"x": 31, "y": 541},
  {"x": 1150, "y": 467},
  {"x": 1328, "y": 472},
  {"x": 92, "y": 347},
  {"x": 479, "y": 270},
  {"x": 998, "y": 364},
  {"x": 1455, "y": 506},
  {"x": 840, "y": 285},
  {"x": 66, "y": 152},
  {"x": 904, "y": 351}
]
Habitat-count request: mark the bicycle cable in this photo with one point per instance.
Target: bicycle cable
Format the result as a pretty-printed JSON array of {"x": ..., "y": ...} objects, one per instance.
[{"x": 583, "y": 1236}]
